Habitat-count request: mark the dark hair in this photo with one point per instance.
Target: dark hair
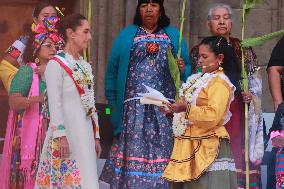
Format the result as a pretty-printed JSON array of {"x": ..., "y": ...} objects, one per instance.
[
  {"x": 28, "y": 55},
  {"x": 41, "y": 5},
  {"x": 163, "y": 21},
  {"x": 71, "y": 21},
  {"x": 230, "y": 65}
]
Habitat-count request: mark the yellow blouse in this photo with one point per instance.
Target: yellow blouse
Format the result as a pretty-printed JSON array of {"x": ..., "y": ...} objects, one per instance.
[
  {"x": 7, "y": 73},
  {"x": 198, "y": 148}
]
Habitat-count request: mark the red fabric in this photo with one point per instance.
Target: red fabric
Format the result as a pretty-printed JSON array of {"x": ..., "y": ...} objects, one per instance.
[
  {"x": 236, "y": 130},
  {"x": 69, "y": 71}
]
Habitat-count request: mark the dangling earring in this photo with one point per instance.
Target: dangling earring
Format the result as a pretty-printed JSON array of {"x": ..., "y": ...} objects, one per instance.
[
  {"x": 220, "y": 67},
  {"x": 37, "y": 60}
]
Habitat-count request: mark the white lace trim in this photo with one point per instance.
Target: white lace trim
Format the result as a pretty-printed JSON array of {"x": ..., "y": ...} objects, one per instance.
[
  {"x": 223, "y": 164},
  {"x": 196, "y": 83}
]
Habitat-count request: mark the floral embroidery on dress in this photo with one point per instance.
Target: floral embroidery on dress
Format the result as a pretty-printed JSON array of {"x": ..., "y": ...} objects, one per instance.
[
  {"x": 57, "y": 128},
  {"x": 65, "y": 173}
]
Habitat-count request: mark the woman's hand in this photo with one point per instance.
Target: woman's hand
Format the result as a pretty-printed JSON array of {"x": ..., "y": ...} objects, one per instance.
[
  {"x": 179, "y": 106},
  {"x": 181, "y": 65},
  {"x": 41, "y": 98},
  {"x": 278, "y": 141},
  {"x": 64, "y": 148},
  {"x": 98, "y": 148},
  {"x": 247, "y": 97},
  {"x": 166, "y": 108},
  {"x": 257, "y": 162}
]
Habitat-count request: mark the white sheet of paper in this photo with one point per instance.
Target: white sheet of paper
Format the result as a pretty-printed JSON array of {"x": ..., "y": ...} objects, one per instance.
[{"x": 152, "y": 97}]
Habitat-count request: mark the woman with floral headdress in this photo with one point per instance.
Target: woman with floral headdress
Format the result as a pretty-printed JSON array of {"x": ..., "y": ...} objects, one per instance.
[{"x": 28, "y": 115}]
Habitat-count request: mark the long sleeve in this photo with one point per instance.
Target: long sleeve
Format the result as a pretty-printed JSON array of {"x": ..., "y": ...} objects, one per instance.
[
  {"x": 7, "y": 73},
  {"x": 22, "y": 81},
  {"x": 54, "y": 82},
  {"x": 210, "y": 115},
  {"x": 111, "y": 74}
]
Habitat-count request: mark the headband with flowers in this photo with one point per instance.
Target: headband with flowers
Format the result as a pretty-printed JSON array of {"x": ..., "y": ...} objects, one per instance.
[{"x": 44, "y": 30}]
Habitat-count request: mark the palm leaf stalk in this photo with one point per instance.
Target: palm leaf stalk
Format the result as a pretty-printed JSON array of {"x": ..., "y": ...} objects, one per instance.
[
  {"x": 249, "y": 42},
  {"x": 173, "y": 67},
  {"x": 181, "y": 28},
  {"x": 245, "y": 89},
  {"x": 247, "y": 6}
]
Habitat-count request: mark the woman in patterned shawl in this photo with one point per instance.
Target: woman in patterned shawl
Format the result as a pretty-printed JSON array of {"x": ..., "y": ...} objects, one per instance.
[
  {"x": 220, "y": 23},
  {"x": 28, "y": 115}
]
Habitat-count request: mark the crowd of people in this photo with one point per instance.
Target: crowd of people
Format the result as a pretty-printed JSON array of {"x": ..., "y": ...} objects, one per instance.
[{"x": 194, "y": 140}]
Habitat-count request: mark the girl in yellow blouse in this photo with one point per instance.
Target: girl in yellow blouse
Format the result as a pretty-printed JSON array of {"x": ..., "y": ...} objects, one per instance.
[{"x": 201, "y": 158}]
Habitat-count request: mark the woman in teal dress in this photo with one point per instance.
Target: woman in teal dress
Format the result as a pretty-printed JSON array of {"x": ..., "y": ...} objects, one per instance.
[{"x": 28, "y": 113}]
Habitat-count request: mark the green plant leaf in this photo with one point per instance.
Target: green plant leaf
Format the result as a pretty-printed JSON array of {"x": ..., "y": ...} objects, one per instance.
[
  {"x": 174, "y": 71},
  {"x": 249, "y": 4},
  {"x": 249, "y": 42}
]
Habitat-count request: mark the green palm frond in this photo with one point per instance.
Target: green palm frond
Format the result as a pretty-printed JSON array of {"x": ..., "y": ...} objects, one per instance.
[
  {"x": 249, "y": 42},
  {"x": 181, "y": 27},
  {"x": 249, "y": 4},
  {"x": 174, "y": 71}
]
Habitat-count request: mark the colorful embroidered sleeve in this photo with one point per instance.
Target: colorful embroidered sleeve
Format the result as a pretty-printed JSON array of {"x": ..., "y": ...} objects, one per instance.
[
  {"x": 54, "y": 83},
  {"x": 210, "y": 115},
  {"x": 7, "y": 73}
]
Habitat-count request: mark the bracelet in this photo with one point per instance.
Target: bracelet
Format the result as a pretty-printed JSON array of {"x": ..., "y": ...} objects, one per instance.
[
  {"x": 187, "y": 110},
  {"x": 28, "y": 101}
]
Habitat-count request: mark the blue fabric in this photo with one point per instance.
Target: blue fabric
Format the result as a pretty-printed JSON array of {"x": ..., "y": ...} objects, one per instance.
[
  {"x": 143, "y": 151},
  {"x": 117, "y": 69}
]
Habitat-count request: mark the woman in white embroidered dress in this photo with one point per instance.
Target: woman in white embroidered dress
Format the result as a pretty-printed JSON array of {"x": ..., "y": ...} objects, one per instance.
[
  {"x": 202, "y": 157},
  {"x": 68, "y": 159}
]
